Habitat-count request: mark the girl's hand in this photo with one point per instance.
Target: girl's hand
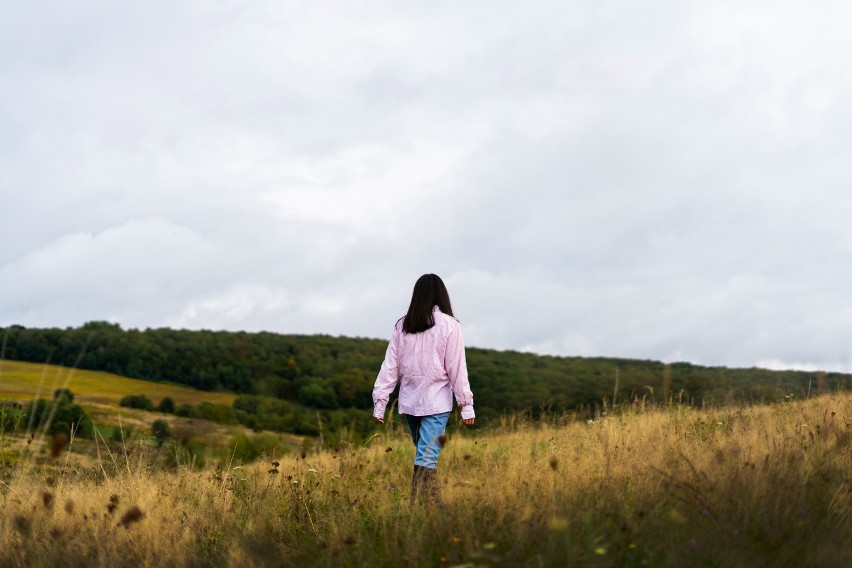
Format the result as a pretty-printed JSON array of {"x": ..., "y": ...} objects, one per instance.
[
  {"x": 379, "y": 420},
  {"x": 468, "y": 421}
]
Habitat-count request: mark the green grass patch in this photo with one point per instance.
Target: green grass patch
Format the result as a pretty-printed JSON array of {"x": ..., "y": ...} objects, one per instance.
[{"x": 25, "y": 381}]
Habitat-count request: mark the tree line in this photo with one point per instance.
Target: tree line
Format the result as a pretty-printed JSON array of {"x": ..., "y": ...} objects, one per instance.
[{"x": 304, "y": 383}]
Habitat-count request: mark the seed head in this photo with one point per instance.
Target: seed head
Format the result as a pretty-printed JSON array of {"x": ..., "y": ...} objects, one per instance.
[
  {"x": 442, "y": 440},
  {"x": 113, "y": 503},
  {"x": 47, "y": 499},
  {"x": 133, "y": 515},
  {"x": 21, "y": 524},
  {"x": 57, "y": 444}
]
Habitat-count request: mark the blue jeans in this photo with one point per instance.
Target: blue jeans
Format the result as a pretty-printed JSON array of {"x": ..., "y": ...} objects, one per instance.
[{"x": 424, "y": 433}]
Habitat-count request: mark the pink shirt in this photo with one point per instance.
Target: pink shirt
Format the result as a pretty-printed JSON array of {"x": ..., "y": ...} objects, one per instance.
[{"x": 431, "y": 367}]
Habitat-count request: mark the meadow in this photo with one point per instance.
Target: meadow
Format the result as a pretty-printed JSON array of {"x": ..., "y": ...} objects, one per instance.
[
  {"x": 637, "y": 485},
  {"x": 24, "y": 381}
]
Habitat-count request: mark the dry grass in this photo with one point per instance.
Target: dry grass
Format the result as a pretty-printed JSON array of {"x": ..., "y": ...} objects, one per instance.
[{"x": 760, "y": 486}]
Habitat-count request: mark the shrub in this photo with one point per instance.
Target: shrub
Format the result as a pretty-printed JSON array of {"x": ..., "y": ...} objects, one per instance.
[
  {"x": 161, "y": 430},
  {"x": 187, "y": 411},
  {"x": 137, "y": 401},
  {"x": 121, "y": 434},
  {"x": 167, "y": 405},
  {"x": 64, "y": 415}
]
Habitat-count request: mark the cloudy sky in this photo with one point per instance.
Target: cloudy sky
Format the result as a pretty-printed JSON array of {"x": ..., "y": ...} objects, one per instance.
[{"x": 663, "y": 180}]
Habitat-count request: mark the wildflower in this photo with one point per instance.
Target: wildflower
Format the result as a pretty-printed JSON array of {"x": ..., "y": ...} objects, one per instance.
[
  {"x": 312, "y": 470},
  {"x": 390, "y": 488},
  {"x": 600, "y": 551}
]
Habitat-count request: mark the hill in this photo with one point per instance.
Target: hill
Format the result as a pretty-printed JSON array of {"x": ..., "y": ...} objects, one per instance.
[
  {"x": 195, "y": 432},
  {"x": 23, "y": 381},
  {"x": 303, "y": 384}
]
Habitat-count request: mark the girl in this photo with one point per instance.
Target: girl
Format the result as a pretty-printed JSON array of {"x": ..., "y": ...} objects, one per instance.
[{"x": 426, "y": 353}]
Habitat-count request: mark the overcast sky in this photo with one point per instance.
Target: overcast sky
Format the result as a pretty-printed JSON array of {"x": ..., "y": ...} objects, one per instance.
[{"x": 664, "y": 180}]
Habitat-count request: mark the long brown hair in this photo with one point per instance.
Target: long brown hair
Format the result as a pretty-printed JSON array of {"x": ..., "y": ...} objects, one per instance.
[{"x": 429, "y": 291}]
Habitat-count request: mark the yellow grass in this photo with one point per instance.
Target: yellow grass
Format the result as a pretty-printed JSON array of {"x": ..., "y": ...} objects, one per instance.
[
  {"x": 23, "y": 381},
  {"x": 676, "y": 486}
]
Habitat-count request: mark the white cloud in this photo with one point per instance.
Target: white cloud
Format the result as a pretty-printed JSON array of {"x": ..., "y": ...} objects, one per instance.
[{"x": 664, "y": 180}]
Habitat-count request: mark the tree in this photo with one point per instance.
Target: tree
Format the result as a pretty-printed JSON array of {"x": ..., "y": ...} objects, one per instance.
[
  {"x": 67, "y": 416},
  {"x": 317, "y": 393},
  {"x": 65, "y": 394}
]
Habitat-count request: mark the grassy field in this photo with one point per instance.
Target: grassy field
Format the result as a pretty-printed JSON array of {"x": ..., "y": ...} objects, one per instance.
[
  {"x": 639, "y": 486},
  {"x": 23, "y": 381},
  {"x": 100, "y": 393}
]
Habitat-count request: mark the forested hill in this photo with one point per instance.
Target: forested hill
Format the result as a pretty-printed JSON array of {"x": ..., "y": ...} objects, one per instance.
[{"x": 325, "y": 372}]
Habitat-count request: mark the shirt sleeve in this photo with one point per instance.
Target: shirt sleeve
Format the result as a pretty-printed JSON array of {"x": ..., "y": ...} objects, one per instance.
[
  {"x": 388, "y": 377},
  {"x": 456, "y": 366}
]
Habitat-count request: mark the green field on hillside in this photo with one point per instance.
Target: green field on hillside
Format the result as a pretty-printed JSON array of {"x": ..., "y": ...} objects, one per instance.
[{"x": 24, "y": 381}]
